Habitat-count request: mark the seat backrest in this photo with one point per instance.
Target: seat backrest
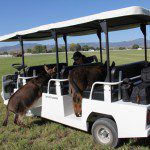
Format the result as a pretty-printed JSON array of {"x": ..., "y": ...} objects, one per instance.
[
  {"x": 127, "y": 70},
  {"x": 40, "y": 69},
  {"x": 66, "y": 70}
]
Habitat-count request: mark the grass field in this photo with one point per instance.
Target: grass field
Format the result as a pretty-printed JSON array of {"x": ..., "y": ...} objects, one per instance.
[{"x": 45, "y": 134}]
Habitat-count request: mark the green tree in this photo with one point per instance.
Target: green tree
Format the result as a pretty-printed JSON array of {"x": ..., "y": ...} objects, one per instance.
[
  {"x": 5, "y": 53},
  {"x": 72, "y": 47},
  {"x": 135, "y": 46},
  {"x": 63, "y": 49},
  {"x": 91, "y": 47},
  {"x": 54, "y": 49},
  {"x": 44, "y": 49},
  {"x": 39, "y": 49},
  {"x": 97, "y": 48},
  {"x": 85, "y": 48},
  {"x": 78, "y": 47},
  {"x": 29, "y": 50},
  {"x": 122, "y": 48}
]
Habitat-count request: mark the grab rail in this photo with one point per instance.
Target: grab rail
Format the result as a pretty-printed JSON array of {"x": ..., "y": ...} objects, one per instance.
[
  {"x": 60, "y": 80},
  {"x": 23, "y": 80},
  {"x": 109, "y": 83}
]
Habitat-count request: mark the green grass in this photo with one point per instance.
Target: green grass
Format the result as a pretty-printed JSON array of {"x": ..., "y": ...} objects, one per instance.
[{"x": 45, "y": 134}]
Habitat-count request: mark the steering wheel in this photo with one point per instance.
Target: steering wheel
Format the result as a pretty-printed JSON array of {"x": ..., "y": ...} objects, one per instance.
[{"x": 19, "y": 67}]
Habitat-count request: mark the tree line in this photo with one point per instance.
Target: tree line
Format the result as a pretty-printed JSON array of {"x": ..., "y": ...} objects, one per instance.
[{"x": 72, "y": 47}]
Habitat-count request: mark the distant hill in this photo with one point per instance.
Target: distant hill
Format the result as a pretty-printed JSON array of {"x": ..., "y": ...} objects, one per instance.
[
  {"x": 93, "y": 44},
  {"x": 17, "y": 47},
  {"x": 139, "y": 41}
]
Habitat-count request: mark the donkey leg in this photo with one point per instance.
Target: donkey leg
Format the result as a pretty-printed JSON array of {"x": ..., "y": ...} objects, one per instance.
[
  {"x": 20, "y": 121},
  {"x": 16, "y": 119},
  {"x": 6, "y": 118}
]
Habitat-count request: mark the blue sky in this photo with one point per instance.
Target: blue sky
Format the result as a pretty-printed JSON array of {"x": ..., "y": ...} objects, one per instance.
[{"x": 18, "y": 15}]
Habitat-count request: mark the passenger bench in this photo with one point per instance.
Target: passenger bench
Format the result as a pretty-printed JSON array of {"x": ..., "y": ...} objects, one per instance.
[
  {"x": 36, "y": 70},
  {"x": 124, "y": 71}
]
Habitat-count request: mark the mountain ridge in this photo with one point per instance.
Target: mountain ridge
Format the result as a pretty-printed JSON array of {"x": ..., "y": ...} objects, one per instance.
[{"x": 139, "y": 41}]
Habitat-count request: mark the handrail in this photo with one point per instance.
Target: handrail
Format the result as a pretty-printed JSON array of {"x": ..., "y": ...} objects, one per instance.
[
  {"x": 109, "y": 83},
  {"x": 60, "y": 80},
  {"x": 25, "y": 78}
]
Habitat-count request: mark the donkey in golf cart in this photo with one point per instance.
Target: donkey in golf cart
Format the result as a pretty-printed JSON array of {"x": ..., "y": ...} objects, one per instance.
[
  {"x": 25, "y": 97},
  {"x": 82, "y": 78},
  {"x": 12, "y": 82}
]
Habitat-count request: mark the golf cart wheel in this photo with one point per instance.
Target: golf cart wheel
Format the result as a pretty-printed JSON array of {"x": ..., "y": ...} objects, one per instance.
[{"x": 104, "y": 131}]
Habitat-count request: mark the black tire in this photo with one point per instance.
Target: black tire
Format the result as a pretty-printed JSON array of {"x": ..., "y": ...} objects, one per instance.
[{"x": 104, "y": 132}]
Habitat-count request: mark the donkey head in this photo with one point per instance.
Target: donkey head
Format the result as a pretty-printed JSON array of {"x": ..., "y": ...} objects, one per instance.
[
  {"x": 77, "y": 104},
  {"x": 50, "y": 71}
]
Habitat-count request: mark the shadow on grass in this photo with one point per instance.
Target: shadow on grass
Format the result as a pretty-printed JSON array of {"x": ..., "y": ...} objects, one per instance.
[
  {"x": 137, "y": 142},
  {"x": 40, "y": 122},
  {"x": 145, "y": 142}
]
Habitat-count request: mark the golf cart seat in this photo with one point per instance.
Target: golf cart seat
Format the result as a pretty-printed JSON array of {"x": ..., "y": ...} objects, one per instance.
[
  {"x": 117, "y": 73},
  {"x": 127, "y": 70},
  {"x": 66, "y": 70},
  {"x": 36, "y": 70},
  {"x": 52, "y": 89},
  {"x": 18, "y": 67}
]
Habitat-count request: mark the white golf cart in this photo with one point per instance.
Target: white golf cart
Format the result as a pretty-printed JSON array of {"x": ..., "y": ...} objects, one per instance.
[{"x": 103, "y": 111}]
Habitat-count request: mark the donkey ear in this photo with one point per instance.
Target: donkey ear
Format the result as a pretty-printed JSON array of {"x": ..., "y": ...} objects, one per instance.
[
  {"x": 113, "y": 64},
  {"x": 54, "y": 69},
  {"x": 105, "y": 64},
  {"x": 46, "y": 68}
]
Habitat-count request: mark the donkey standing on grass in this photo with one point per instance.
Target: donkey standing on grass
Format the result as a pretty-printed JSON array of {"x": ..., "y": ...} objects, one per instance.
[{"x": 24, "y": 98}]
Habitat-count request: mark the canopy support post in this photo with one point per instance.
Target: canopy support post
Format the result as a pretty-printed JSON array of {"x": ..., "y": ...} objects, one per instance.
[
  {"x": 100, "y": 44},
  {"x": 104, "y": 28},
  {"x": 66, "y": 48},
  {"x": 22, "y": 52},
  {"x": 143, "y": 29},
  {"x": 54, "y": 35}
]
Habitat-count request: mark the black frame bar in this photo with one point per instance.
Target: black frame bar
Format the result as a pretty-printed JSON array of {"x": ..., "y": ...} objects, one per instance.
[
  {"x": 100, "y": 44},
  {"x": 104, "y": 27},
  {"x": 22, "y": 52},
  {"x": 54, "y": 35},
  {"x": 143, "y": 29},
  {"x": 66, "y": 48}
]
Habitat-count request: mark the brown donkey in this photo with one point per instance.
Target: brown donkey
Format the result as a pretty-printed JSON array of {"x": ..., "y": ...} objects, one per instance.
[
  {"x": 24, "y": 98},
  {"x": 82, "y": 78}
]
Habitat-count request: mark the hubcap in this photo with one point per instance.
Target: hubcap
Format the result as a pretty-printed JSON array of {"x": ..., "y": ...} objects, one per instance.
[{"x": 104, "y": 135}]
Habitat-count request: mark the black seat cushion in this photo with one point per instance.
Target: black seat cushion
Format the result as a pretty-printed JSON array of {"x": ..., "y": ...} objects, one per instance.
[
  {"x": 40, "y": 69},
  {"x": 98, "y": 94},
  {"x": 66, "y": 70},
  {"x": 128, "y": 70},
  {"x": 52, "y": 89}
]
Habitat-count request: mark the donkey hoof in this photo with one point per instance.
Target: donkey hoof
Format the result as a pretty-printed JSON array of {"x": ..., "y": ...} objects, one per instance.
[
  {"x": 78, "y": 115},
  {"x": 4, "y": 123}
]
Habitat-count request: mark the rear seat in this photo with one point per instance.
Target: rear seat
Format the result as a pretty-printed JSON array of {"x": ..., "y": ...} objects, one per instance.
[
  {"x": 126, "y": 71},
  {"x": 66, "y": 70},
  {"x": 40, "y": 69},
  {"x": 52, "y": 89}
]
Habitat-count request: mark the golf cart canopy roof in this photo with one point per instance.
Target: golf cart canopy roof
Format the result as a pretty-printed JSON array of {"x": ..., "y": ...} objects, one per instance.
[{"x": 120, "y": 19}]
